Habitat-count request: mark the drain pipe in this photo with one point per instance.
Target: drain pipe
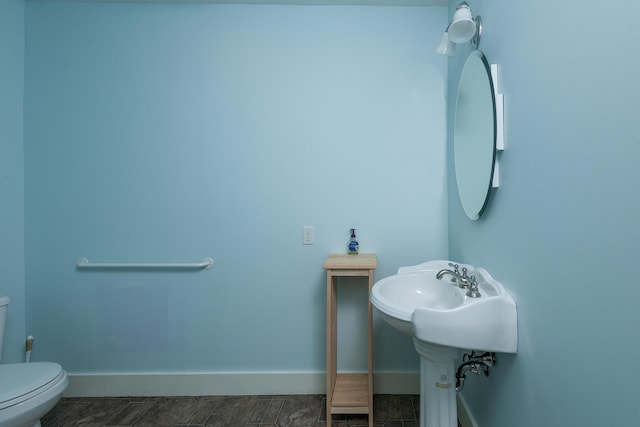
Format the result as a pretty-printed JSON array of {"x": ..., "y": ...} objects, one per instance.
[{"x": 474, "y": 363}]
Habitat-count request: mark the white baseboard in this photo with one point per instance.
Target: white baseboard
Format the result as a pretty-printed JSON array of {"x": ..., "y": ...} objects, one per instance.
[
  {"x": 217, "y": 383},
  {"x": 465, "y": 418}
]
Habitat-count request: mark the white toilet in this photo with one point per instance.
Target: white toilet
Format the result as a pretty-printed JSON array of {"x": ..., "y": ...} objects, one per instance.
[{"x": 27, "y": 390}]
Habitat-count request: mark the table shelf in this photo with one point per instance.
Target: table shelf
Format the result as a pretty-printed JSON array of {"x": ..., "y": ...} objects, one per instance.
[
  {"x": 351, "y": 393},
  {"x": 348, "y": 393}
]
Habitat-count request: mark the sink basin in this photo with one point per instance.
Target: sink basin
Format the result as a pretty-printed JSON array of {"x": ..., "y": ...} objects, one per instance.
[
  {"x": 397, "y": 297},
  {"x": 439, "y": 312}
]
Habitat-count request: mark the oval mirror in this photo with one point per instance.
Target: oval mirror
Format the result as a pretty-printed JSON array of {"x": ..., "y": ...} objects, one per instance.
[{"x": 474, "y": 135}]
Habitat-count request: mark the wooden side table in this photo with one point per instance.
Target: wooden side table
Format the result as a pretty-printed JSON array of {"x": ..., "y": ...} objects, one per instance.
[{"x": 347, "y": 393}]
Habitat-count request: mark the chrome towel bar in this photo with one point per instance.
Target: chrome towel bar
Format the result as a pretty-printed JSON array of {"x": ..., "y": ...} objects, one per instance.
[{"x": 84, "y": 263}]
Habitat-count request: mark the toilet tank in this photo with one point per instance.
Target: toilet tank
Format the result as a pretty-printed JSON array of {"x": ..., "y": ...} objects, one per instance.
[{"x": 4, "y": 305}]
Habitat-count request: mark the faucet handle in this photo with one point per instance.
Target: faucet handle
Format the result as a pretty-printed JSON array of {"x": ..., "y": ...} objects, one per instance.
[
  {"x": 473, "y": 291},
  {"x": 456, "y": 267},
  {"x": 463, "y": 280}
]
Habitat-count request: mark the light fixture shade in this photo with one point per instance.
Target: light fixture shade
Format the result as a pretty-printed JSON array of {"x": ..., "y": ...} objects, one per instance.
[
  {"x": 446, "y": 46},
  {"x": 463, "y": 27}
]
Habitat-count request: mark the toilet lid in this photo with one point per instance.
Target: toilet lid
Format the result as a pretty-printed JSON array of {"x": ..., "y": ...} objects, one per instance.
[{"x": 20, "y": 379}]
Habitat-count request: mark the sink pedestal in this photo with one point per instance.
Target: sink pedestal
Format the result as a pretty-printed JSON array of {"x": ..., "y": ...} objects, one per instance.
[{"x": 438, "y": 406}]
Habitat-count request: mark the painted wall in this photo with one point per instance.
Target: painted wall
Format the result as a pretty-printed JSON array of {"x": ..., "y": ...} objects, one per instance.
[
  {"x": 562, "y": 232},
  {"x": 170, "y": 133},
  {"x": 12, "y": 175}
]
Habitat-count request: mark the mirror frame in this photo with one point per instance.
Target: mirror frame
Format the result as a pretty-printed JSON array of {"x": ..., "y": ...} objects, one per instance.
[{"x": 474, "y": 139}]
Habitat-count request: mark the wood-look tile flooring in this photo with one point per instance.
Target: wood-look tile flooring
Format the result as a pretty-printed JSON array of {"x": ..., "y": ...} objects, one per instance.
[{"x": 226, "y": 411}]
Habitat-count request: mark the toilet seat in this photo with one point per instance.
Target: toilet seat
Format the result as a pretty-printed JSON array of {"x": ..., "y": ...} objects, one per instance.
[{"x": 23, "y": 381}]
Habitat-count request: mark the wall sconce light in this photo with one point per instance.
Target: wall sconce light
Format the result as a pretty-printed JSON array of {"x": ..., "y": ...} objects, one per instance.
[
  {"x": 446, "y": 46},
  {"x": 463, "y": 28}
]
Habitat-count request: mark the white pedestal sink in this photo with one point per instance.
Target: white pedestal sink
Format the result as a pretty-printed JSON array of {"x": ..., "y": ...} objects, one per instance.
[{"x": 444, "y": 321}]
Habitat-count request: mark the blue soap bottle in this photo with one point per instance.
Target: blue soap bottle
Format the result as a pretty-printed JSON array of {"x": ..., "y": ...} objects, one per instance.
[{"x": 352, "y": 246}]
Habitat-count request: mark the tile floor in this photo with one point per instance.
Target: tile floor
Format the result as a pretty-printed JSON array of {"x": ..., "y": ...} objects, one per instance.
[{"x": 226, "y": 411}]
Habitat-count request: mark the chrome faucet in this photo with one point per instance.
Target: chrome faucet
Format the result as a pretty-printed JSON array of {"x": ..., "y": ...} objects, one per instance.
[{"x": 461, "y": 279}]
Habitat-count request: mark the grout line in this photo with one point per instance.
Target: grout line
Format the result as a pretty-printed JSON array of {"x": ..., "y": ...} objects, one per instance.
[{"x": 264, "y": 414}]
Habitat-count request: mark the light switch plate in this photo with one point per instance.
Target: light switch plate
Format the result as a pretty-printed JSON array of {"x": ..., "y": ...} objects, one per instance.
[{"x": 307, "y": 235}]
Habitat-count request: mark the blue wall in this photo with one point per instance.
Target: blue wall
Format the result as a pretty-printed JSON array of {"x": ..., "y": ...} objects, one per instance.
[
  {"x": 12, "y": 175},
  {"x": 562, "y": 231},
  {"x": 165, "y": 132}
]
